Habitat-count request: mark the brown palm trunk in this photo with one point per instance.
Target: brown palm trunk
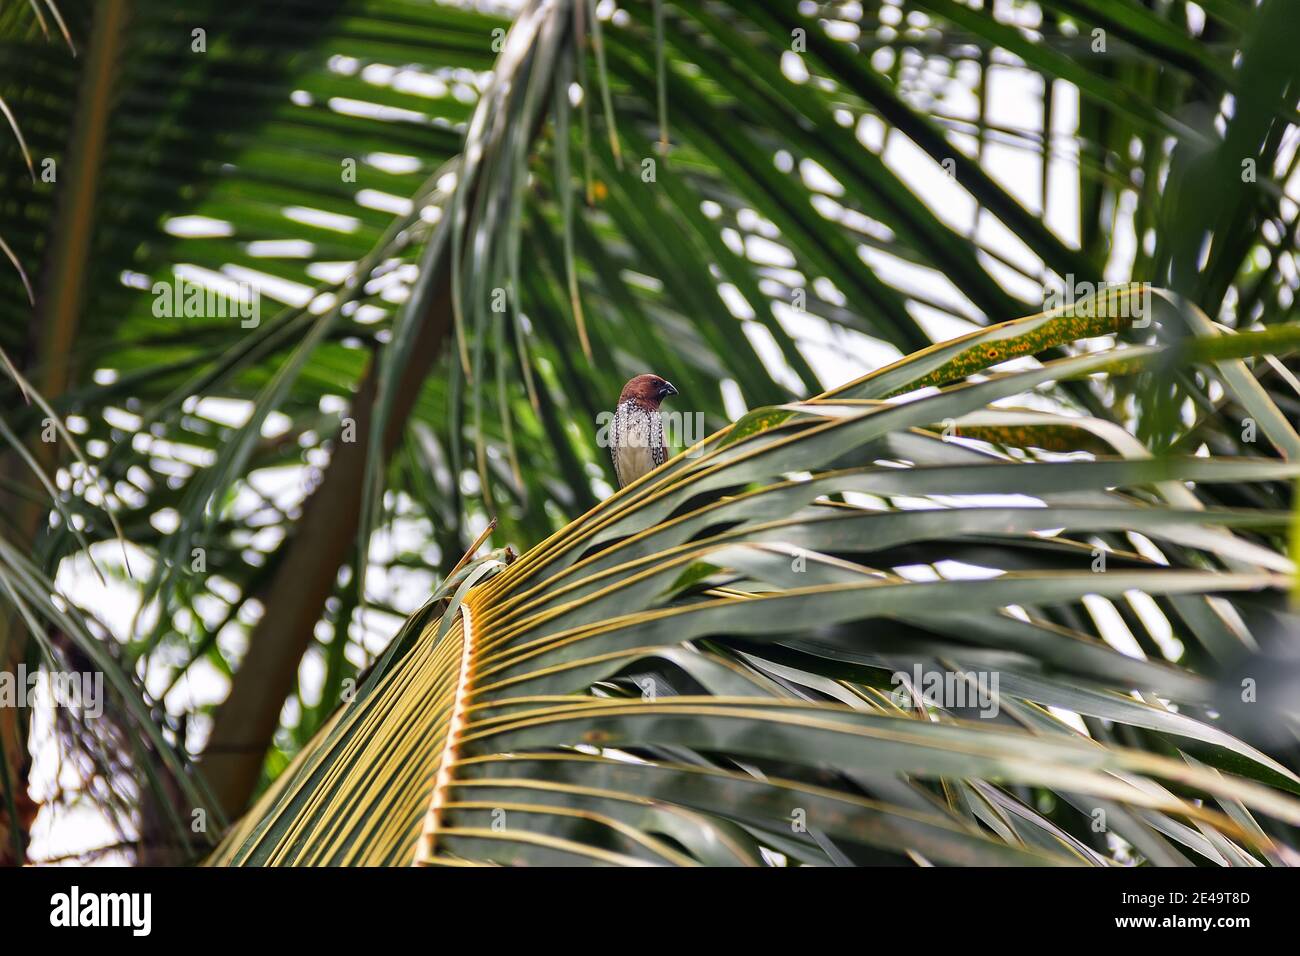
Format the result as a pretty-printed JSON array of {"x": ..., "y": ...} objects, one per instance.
[
  {"x": 246, "y": 720},
  {"x": 48, "y": 359}
]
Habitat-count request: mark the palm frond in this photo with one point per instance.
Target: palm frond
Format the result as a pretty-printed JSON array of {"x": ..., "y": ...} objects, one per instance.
[{"x": 726, "y": 662}]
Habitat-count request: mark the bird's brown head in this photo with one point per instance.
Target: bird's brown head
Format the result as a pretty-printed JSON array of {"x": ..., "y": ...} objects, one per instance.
[{"x": 650, "y": 389}]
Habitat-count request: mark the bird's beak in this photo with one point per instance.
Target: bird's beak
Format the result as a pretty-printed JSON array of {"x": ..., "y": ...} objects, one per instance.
[{"x": 668, "y": 389}]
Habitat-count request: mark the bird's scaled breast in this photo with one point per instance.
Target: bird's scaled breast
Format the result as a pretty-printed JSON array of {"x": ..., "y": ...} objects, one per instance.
[{"x": 637, "y": 442}]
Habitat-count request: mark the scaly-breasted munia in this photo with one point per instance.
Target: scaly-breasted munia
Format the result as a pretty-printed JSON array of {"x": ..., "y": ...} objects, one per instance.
[{"x": 636, "y": 440}]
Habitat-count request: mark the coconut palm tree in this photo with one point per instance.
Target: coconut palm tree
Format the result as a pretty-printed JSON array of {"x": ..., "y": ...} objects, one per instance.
[{"x": 330, "y": 296}]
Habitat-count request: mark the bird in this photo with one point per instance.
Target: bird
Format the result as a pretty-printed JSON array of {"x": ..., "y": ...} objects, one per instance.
[{"x": 636, "y": 440}]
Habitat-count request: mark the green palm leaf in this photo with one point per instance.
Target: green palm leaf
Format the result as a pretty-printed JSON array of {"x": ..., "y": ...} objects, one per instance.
[{"x": 701, "y": 648}]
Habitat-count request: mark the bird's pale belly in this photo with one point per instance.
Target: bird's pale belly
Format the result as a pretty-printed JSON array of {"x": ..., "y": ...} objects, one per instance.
[{"x": 634, "y": 461}]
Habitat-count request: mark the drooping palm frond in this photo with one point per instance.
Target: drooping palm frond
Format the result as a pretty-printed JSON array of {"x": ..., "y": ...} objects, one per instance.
[
  {"x": 162, "y": 360},
  {"x": 729, "y": 661}
]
